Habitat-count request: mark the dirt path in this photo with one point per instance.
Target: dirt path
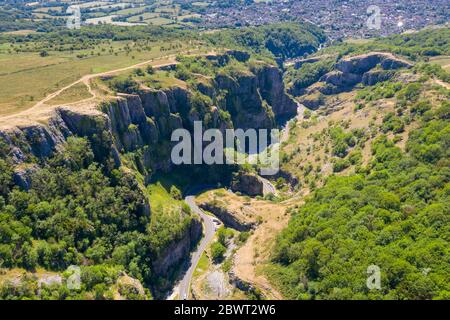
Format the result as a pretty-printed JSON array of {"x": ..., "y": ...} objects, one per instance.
[
  {"x": 42, "y": 108},
  {"x": 442, "y": 83}
]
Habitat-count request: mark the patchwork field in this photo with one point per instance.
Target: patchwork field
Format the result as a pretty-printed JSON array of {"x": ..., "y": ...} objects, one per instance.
[{"x": 160, "y": 13}]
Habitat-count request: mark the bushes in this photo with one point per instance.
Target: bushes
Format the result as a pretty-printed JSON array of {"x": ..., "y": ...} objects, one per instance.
[
  {"x": 6, "y": 175},
  {"x": 127, "y": 85},
  {"x": 341, "y": 141},
  {"x": 76, "y": 212},
  {"x": 282, "y": 40},
  {"x": 392, "y": 216},
  {"x": 340, "y": 164},
  {"x": 382, "y": 90},
  {"x": 217, "y": 251},
  {"x": 309, "y": 73},
  {"x": 392, "y": 123}
]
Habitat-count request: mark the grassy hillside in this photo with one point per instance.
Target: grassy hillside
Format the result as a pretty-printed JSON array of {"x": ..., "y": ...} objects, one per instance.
[
  {"x": 386, "y": 203},
  {"x": 393, "y": 214}
]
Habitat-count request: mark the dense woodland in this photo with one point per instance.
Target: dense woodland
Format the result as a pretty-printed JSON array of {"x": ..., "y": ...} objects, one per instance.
[
  {"x": 279, "y": 41},
  {"x": 79, "y": 213},
  {"x": 392, "y": 213}
]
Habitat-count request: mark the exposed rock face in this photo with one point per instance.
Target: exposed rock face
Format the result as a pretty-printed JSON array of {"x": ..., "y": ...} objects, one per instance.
[
  {"x": 341, "y": 79},
  {"x": 299, "y": 63},
  {"x": 270, "y": 82},
  {"x": 241, "y": 284},
  {"x": 22, "y": 176},
  {"x": 42, "y": 140},
  {"x": 142, "y": 123},
  {"x": 244, "y": 102},
  {"x": 353, "y": 70},
  {"x": 367, "y": 69},
  {"x": 148, "y": 117},
  {"x": 229, "y": 218},
  {"x": 247, "y": 183},
  {"x": 240, "y": 56},
  {"x": 177, "y": 251},
  {"x": 313, "y": 100},
  {"x": 372, "y": 77},
  {"x": 363, "y": 63}
]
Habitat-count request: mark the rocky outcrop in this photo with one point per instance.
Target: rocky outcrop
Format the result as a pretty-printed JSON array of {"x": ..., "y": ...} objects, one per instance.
[
  {"x": 229, "y": 218},
  {"x": 243, "y": 101},
  {"x": 272, "y": 90},
  {"x": 22, "y": 176},
  {"x": 146, "y": 119},
  {"x": 366, "y": 69},
  {"x": 247, "y": 183},
  {"x": 365, "y": 62},
  {"x": 372, "y": 77},
  {"x": 313, "y": 100},
  {"x": 177, "y": 251},
  {"x": 41, "y": 140}
]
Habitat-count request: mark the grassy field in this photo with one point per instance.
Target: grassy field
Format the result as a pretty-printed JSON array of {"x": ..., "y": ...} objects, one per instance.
[
  {"x": 202, "y": 266},
  {"x": 76, "y": 93},
  {"x": 145, "y": 16},
  {"x": 159, "y": 21},
  {"x": 130, "y": 11},
  {"x": 47, "y": 9},
  {"x": 159, "y": 195},
  {"x": 443, "y": 61},
  {"x": 26, "y": 78}
]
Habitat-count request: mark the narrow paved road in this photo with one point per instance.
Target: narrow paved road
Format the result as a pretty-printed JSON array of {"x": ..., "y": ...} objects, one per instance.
[{"x": 209, "y": 231}]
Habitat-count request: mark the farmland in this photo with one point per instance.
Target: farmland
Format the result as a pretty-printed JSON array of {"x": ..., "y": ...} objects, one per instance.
[{"x": 127, "y": 12}]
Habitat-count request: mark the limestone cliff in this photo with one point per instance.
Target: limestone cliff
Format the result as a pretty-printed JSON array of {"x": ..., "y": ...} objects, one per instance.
[
  {"x": 138, "y": 126},
  {"x": 367, "y": 68}
]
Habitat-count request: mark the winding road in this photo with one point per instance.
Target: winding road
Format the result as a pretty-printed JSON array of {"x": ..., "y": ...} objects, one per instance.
[{"x": 209, "y": 231}]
